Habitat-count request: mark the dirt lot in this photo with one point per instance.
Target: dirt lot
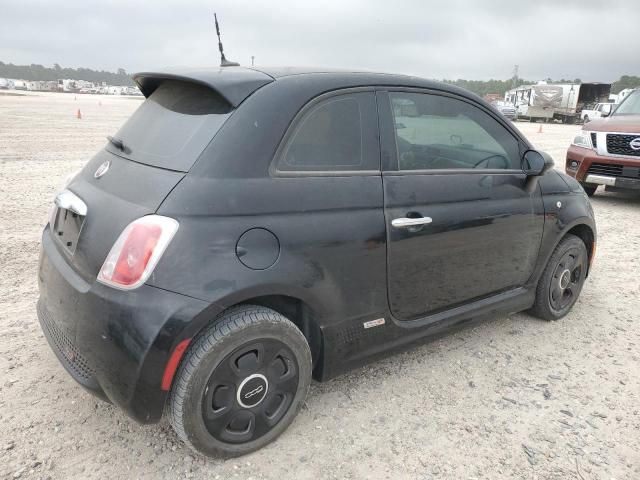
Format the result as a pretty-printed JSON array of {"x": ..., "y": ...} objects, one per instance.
[{"x": 511, "y": 398}]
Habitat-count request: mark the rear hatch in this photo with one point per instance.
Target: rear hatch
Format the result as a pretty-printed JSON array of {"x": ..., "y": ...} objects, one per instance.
[{"x": 136, "y": 170}]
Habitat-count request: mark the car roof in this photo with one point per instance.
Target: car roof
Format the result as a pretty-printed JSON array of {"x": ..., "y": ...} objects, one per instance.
[
  {"x": 287, "y": 71},
  {"x": 235, "y": 84}
]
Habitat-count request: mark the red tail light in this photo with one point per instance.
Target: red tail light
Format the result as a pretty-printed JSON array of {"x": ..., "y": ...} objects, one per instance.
[{"x": 137, "y": 251}]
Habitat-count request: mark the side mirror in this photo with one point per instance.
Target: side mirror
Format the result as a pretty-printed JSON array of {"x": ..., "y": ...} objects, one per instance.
[
  {"x": 606, "y": 111},
  {"x": 536, "y": 163}
]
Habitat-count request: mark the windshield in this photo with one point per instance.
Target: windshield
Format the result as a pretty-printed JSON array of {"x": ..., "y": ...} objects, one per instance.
[
  {"x": 172, "y": 127},
  {"x": 630, "y": 105}
]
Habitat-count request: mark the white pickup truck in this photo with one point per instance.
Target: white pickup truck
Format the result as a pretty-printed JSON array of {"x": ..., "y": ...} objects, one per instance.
[{"x": 596, "y": 112}]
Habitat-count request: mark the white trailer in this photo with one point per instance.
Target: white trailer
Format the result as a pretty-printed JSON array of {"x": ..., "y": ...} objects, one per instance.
[
  {"x": 562, "y": 102},
  {"x": 535, "y": 101},
  {"x": 67, "y": 85},
  {"x": 19, "y": 85}
]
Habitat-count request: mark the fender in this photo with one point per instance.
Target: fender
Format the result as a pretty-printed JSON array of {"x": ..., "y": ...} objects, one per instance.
[{"x": 559, "y": 220}]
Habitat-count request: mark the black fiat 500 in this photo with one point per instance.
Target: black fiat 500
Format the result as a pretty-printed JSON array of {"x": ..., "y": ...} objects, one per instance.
[{"x": 248, "y": 230}]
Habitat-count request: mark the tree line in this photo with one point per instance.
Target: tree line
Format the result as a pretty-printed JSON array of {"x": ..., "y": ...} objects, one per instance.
[
  {"x": 484, "y": 87},
  {"x": 121, "y": 77},
  {"x": 40, "y": 72}
]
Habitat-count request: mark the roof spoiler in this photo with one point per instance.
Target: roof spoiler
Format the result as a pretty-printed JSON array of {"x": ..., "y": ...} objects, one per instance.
[{"x": 234, "y": 84}]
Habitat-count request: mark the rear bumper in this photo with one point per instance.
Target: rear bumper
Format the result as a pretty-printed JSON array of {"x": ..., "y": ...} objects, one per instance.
[
  {"x": 114, "y": 343},
  {"x": 587, "y": 157}
]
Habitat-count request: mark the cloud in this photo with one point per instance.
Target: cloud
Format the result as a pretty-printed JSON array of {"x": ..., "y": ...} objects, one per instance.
[{"x": 436, "y": 39}]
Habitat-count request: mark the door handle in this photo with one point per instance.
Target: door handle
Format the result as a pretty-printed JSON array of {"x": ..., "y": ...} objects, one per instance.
[{"x": 405, "y": 222}]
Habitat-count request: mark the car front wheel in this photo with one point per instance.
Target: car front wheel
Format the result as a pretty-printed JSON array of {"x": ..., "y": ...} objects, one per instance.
[
  {"x": 561, "y": 282},
  {"x": 241, "y": 383}
]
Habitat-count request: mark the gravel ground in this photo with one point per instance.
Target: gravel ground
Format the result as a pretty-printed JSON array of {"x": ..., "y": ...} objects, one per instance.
[{"x": 510, "y": 398}]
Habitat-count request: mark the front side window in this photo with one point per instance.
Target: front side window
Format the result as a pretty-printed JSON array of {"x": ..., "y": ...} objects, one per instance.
[
  {"x": 434, "y": 132},
  {"x": 334, "y": 135}
]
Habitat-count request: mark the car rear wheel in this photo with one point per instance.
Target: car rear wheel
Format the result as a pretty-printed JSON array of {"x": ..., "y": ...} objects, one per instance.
[
  {"x": 589, "y": 188},
  {"x": 561, "y": 282},
  {"x": 241, "y": 383}
]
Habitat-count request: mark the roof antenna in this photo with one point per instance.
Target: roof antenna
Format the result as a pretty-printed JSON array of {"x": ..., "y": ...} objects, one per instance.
[{"x": 223, "y": 61}]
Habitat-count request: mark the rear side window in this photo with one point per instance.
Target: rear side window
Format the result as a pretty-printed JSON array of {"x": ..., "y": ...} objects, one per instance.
[
  {"x": 438, "y": 132},
  {"x": 173, "y": 126},
  {"x": 336, "y": 134}
]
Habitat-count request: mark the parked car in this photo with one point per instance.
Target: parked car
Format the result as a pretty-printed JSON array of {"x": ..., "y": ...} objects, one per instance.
[
  {"x": 246, "y": 230},
  {"x": 509, "y": 111},
  {"x": 607, "y": 151},
  {"x": 596, "y": 112}
]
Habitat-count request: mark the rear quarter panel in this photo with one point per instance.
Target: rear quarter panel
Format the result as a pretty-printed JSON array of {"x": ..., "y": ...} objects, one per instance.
[{"x": 331, "y": 232}]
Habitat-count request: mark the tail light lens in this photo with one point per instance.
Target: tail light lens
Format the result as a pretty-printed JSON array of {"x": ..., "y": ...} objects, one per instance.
[{"x": 137, "y": 251}]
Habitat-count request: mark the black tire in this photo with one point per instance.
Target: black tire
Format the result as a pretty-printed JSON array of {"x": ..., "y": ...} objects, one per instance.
[
  {"x": 589, "y": 188},
  {"x": 256, "y": 349},
  {"x": 585, "y": 119},
  {"x": 562, "y": 279}
]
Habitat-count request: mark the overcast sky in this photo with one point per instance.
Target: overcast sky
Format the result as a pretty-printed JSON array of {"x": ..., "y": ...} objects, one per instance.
[{"x": 475, "y": 39}]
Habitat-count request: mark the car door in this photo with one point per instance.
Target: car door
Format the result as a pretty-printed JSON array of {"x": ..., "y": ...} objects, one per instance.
[{"x": 461, "y": 225}]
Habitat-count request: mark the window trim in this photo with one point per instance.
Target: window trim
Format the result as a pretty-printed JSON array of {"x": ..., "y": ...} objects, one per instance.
[
  {"x": 385, "y": 118},
  {"x": 274, "y": 171}
]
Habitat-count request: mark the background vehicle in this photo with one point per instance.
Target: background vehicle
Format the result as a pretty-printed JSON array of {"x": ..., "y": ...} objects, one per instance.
[
  {"x": 509, "y": 111},
  {"x": 562, "y": 102},
  {"x": 607, "y": 151},
  {"x": 4, "y": 84},
  {"x": 535, "y": 102},
  {"x": 19, "y": 85},
  {"x": 596, "y": 112},
  {"x": 245, "y": 230}
]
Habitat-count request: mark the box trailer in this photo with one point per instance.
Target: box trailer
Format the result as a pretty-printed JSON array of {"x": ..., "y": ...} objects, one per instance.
[
  {"x": 578, "y": 97},
  {"x": 562, "y": 102}
]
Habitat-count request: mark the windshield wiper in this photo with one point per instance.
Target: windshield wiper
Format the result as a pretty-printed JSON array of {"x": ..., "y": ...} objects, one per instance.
[{"x": 119, "y": 144}]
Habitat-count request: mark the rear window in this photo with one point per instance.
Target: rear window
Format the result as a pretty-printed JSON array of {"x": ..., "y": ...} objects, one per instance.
[{"x": 173, "y": 126}]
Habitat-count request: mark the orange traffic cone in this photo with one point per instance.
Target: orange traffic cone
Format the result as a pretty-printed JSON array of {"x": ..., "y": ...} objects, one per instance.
[
  {"x": 79, "y": 115},
  {"x": 539, "y": 128}
]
